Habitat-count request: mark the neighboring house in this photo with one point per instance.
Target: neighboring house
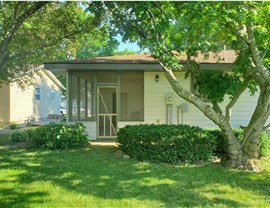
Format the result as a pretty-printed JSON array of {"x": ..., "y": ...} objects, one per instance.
[
  {"x": 37, "y": 100},
  {"x": 107, "y": 93}
]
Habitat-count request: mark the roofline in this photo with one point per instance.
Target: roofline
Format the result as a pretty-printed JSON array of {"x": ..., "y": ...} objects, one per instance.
[
  {"x": 64, "y": 67},
  {"x": 54, "y": 79}
]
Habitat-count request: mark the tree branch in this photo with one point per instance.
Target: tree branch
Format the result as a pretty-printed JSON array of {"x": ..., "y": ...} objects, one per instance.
[
  {"x": 216, "y": 107},
  {"x": 158, "y": 34},
  {"x": 236, "y": 97},
  {"x": 261, "y": 112},
  {"x": 236, "y": 32},
  {"x": 256, "y": 54},
  {"x": 17, "y": 23},
  {"x": 266, "y": 127},
  {"x": 157, "y": 5},
  {"x": 138, "y": 30},
  {"x": 266, "y": 50}
]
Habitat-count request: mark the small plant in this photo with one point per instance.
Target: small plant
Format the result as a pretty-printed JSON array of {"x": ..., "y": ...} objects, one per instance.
[
  {"x": 13, "y": 126},
  {"x": 29, "y": 121}
]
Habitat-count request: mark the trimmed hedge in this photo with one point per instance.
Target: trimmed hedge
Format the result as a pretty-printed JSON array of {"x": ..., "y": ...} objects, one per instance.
[
  {"x": 166, "y": 143},
  {"x": 177, "y": 143},
  {"x": 54, "y": 136},
  {"x": 263, "y": 143}
]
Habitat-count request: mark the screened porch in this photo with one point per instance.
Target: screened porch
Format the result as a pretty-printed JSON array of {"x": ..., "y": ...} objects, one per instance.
[{"x": 105, "y": 99}]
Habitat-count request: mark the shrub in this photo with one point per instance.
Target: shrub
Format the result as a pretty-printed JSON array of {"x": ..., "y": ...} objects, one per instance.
[
  {"x": 263, "y": 143},
  {"x": 166, "y": 143},
  {"x": 18, "y": 136},
  {"x": 59, "y": 136},
  {"x": 13, "y": 126}
]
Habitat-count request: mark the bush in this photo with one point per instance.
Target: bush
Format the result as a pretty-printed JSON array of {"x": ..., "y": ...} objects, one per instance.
[
  {"x": 166, "y": 143},
  {"x": 13, "y": 126},
  {"x": 19, "y": 136},
  {"x": 263, "y": 143},
  {"x": 59, "y": 136}
]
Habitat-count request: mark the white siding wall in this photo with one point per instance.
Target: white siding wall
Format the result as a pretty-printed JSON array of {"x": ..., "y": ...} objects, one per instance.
[
  {"x": 91, "y": 129},
  {"x": 21, "y": 103},
  {"x": 155, "y": 108},
  {"x": 4, "y": 104},
  {"x": 24, "y": 105}
]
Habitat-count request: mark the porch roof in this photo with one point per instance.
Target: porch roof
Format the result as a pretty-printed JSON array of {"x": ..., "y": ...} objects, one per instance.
[{"x": 140, "y": 62}]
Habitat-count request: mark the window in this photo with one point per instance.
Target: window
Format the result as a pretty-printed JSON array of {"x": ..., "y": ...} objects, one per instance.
[{"x": 37, "y": 93}]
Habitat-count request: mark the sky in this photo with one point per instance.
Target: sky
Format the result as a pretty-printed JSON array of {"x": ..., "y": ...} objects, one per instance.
[{"x": 130, "y": 46}]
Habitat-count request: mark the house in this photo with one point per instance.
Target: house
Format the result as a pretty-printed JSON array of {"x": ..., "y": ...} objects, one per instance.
[
  {"x": 107, "y": 93},
  {"x": 37, "y": 100}
]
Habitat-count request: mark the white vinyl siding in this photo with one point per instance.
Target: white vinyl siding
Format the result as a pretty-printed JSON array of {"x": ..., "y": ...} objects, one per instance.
[
  {"x": 4, "y": 104},
  {"x": 91, "y": 129},
  {"x": 155, "y": 107},
  {"x": 23, "y": 103}
]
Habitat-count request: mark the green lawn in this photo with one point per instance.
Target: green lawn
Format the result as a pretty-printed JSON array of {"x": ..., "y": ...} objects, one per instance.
[{"x": 96, "y": 177}]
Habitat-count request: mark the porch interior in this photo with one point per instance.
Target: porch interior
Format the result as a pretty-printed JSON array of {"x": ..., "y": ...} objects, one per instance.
[{"x": 106, "y": 98}]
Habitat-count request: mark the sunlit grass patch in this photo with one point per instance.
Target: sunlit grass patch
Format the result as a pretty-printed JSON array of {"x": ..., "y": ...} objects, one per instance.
[{"x": 96, "y": 177}]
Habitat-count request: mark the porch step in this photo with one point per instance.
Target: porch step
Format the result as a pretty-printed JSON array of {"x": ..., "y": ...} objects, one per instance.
[{"x": 108, "y": 142}]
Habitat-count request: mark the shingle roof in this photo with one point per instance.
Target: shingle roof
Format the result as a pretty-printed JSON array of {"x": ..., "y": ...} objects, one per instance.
[{"x": 227, "y": 56}]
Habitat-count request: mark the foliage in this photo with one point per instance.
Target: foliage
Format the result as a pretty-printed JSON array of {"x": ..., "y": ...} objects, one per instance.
[
  {"x": 72, "y": 33},
  {"x": 263, "y": 141},
  {"x": 263, "y": 145},
  {"x": 13, "y": 126},
  {"x": 19, "y": 136},
  {"x": 4, "y": 138},
  {"x": 59, "y": 136},
  {"x": 169, "y": 29},
  {"x": 214, "y": 85},
  {"x": 125, "y": 52},
  {"x": 166, "y": 143},
  {"x": 53, "y": 136}
]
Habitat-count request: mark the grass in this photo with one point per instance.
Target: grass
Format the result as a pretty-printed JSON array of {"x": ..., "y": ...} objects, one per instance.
[{"x": 96, "y": 177}]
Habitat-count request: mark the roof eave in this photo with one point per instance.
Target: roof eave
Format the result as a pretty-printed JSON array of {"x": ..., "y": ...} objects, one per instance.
[{"x": 64, "y": 67}]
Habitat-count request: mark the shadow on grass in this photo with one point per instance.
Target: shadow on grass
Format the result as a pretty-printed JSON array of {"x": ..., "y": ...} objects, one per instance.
[
  {"x": 98, "y": 172},
  {"x": 15, "y": 198}
]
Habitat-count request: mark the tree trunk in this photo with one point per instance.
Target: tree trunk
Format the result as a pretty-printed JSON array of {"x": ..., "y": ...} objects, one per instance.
[
  {"x": 239, "y": 155},
  {"x": 245, "y": 155}
]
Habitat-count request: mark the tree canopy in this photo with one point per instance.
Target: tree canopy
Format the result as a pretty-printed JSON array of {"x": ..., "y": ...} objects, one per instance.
[
  {"x": 34, "y": 32},
  {"x": 170, "y": 28}
]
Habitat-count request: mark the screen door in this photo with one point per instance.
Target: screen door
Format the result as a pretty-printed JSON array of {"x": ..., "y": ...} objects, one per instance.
[{"x": 107, "y": 111}]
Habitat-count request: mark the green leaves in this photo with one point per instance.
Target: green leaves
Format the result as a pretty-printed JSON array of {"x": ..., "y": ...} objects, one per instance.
[
  {"x": 54, "y": 136},
  {"x": 58, "y": 30},
  {"x": 214, "y": 85},
  {"x": 166, "y": 143}
]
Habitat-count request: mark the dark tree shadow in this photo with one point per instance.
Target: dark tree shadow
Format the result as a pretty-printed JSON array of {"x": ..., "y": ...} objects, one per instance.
[{"x": 98, "y": 172}]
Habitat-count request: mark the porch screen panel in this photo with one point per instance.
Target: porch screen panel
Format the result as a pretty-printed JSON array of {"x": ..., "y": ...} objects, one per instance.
[
  {"x": 132, "y": 96},
  {"x": 83, "y": 89},
  {"x": 81, "y": 96},
  {"x": 74, "y": 98},
  {"x": 90, "y": 109}
]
